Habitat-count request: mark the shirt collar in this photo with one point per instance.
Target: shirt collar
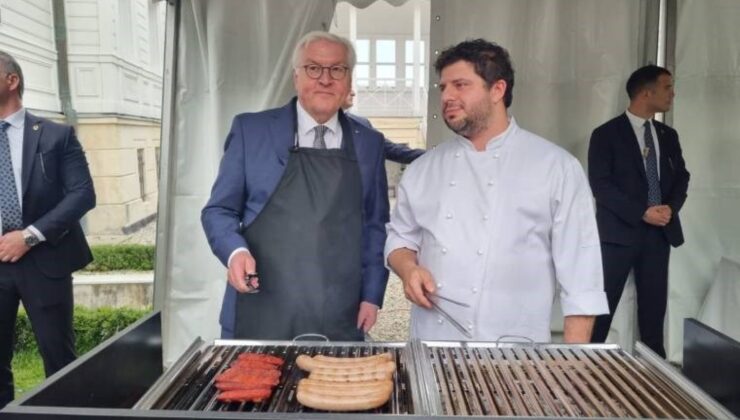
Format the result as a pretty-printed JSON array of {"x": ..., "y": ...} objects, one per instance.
[
  {"x": 494, "y": 143},
  {"x": 17, "y": 119},
  {"x": 306, "y": 123},
  {"x": 637, "y": 122}
]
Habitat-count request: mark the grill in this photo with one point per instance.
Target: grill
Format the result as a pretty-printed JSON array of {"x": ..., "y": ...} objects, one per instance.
[
  {"x": 190, "y": 386},
  {"x": 553, "y": 381},
  {"x": 459, "y": 379}
]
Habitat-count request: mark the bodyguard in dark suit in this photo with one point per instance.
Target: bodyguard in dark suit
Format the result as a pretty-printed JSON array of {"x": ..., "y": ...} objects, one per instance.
[
  {"x": 45, "y": 188},
  {"x": 299, "y": 209},
  {"x": 639, "y": 179}
]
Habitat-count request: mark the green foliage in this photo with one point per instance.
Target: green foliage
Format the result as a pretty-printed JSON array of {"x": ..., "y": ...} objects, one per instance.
[
  {"x": 92, "y": 326},
  {"x": 122, "y": 257},
  {"x": 28, "y": 371}
]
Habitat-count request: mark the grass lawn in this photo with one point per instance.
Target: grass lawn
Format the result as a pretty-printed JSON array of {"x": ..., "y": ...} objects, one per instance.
[{"x": 28, "y": 371}]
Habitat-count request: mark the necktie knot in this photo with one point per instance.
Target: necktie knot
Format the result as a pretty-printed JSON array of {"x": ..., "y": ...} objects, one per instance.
[
  {"x": 318, "y": 140},
  {"x": 4, "y": 125}
]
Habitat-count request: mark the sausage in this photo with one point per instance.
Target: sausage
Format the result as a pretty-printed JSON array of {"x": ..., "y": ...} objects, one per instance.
[
  {"x": 266, "y": 358},
  {"x": 322, "y": 375},
  {"x": 386, "y": 367},
  {"x": 311, "y": 363},
  {"x": 232, "y": 386},
  {"x": 334, "y": 402},
  {"x": 381, "y": 357},
  {"x": 352, "y": 388},
  {"x": 254, "y": 395}
]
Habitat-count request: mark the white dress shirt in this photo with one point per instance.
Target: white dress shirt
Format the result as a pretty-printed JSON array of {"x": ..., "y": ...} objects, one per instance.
[
  {"x": 638, "y": 125},
  {"x": 501, "y": 230},
  {"x": 306, "y": 134},
  {"x": 17, "y": 121}
]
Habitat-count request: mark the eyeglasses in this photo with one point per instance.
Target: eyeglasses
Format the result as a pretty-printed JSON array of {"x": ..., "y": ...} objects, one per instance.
[{"x": 314, "y": 71}]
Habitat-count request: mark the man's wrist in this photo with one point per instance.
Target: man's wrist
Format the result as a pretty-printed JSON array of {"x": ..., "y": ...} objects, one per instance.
[{"x": 30, "y": 238}]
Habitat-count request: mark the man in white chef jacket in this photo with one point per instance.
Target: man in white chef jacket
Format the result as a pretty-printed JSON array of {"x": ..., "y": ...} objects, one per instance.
[{"x": 497, "y": 217}]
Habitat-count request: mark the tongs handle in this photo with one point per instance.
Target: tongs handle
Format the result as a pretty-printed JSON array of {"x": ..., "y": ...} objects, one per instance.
[
  {"x": 451, "y": 320},
  {"x": 456, "y": 302}
]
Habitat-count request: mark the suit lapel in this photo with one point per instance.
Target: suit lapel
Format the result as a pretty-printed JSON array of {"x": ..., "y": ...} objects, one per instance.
[
  {"x": 31, "y": 135},
  {"x": 283, "y": 131},
  {"x": 632, "y": 145},
  {"x": 665, "y": 169}
]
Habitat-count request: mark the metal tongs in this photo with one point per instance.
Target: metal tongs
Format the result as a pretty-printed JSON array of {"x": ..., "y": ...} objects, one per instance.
[{"x": 444, "y": 313}]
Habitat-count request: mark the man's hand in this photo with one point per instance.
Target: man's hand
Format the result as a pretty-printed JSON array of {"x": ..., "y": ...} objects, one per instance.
[
  {"x": 416, "y": 279},
  {"x": 242, "y": 263},
  {"x": 367, "y": 316},
  {"x": 577, "y": 329},
  {"x": 666, "y": 210},
  {"x": 656, "y": 216},
  {"x": 12, "y": 246}
]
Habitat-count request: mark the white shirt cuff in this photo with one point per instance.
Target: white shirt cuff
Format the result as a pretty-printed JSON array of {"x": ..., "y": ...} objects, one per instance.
[
  {"x": 240, "y": 249},
  {"x": 585, "y": 303},
  {"x": 37, "y": 233}
]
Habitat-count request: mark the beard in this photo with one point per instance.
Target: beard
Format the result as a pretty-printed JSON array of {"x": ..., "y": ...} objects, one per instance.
[{"x": 475, "y": 121}]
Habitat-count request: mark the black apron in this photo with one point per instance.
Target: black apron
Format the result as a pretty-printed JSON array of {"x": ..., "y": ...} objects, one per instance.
[{"x": 307, "y": 242}]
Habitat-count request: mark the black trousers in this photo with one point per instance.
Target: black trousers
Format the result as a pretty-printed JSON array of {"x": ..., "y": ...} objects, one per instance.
[
  {"x": 49, "y": 305},
  {"x": 649, "y": 260}
]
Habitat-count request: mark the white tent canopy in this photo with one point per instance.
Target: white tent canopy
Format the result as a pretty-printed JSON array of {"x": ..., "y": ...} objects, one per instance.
[{"x": 571, "y": 58}]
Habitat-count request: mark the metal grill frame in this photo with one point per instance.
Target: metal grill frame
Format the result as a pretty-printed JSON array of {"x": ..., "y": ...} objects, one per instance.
[{"x": 541, "y": 399}]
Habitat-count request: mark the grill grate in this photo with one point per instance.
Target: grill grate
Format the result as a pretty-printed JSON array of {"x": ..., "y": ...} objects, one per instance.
[
  {"x": 552, "y": 381},
  {"x": 193, "y": 388}
]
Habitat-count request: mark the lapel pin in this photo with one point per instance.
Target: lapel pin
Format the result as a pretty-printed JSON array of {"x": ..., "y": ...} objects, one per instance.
[{"x": 35, "y": 127}]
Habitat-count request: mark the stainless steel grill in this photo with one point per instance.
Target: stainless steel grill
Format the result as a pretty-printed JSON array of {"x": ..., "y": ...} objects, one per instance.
[
  {"x": 191, "y": 385},
  {"x": 553, "y": 381},
  {"x": 460, "y": 379}
]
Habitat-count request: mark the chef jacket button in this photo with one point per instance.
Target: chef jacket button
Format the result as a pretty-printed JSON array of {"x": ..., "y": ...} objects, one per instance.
[
  {"x": 496, "y": 155},
  {"x": 485, "y": 217},
  {"x": 449, "y": 216},
  {"x": 490, "y": 183},
  {"x": 439, "y": 285},
  {"x": 444, "y": 250},
  {"x": 440, "y": 320},
  {"x": 480, "y": 252},
  {"x": 470, "y": 327},
  {"x": 453, "y": 183},
  {"x": 457, "y": 154},
  {"x": 475, "y": 290}
]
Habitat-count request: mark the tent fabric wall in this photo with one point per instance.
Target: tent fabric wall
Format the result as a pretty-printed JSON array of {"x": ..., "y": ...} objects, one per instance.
[{"x": 706, "y": 110}]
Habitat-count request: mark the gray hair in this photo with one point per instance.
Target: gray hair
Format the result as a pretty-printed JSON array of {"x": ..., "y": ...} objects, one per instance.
[
  {"x": 8, "y": 65},
  {"x": 325, "y": 36}
]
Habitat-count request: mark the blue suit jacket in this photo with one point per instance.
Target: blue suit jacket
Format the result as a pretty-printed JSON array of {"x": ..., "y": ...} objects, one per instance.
[
  {"x": 255, "y": 156},
  {"x": 617, "y": 175},
  {"x": 395, "y": 152},
  {"x": 57, "y": 192}
]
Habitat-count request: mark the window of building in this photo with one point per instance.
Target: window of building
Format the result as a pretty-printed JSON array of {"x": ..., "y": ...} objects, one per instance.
[
  {"x": 409, "y": 62},
  {"x": 385, "y": 59},
  {"x": 362, "y": 69}
]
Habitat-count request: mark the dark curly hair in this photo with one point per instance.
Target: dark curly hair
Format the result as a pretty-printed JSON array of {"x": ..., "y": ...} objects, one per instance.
[{"x": 490, "y": 60}]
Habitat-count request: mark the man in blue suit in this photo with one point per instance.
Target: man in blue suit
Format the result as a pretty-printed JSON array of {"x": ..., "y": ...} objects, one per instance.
[
  {"x": 394, "y": 152},
  {"x": 639, "y": 179},
  {"x": 298, "y": 209},
  {"x": 45, "y": 188}
]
